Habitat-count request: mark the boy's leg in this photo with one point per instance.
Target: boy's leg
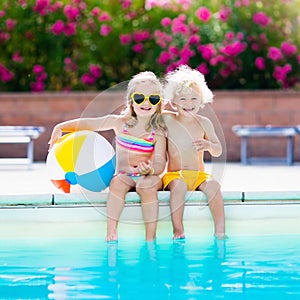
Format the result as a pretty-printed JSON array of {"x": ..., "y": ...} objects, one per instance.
[
  {"x": 147, "y": 188},
  {"x": 178, "y": 191},
  {"x": 216, "y": 205},
  {"x": 118, "y": 188}
]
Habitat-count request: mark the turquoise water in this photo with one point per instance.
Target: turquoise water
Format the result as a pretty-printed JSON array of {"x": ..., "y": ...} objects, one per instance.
[{"x": 264, "y": 267}]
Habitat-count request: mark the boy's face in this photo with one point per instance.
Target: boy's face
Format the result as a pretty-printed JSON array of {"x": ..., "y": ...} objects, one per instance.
[{"x": 188, "y": 101}]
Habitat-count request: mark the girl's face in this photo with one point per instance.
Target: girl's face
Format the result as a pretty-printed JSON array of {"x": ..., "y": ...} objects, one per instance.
[
  {"x": 188, "y": 101},
  {"x": 147, "y": 107}
]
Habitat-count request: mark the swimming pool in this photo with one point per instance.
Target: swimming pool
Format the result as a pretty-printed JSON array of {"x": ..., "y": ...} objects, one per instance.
[
  {"x": 58, "y": 252},
  {"x": 242, "y": 267}
]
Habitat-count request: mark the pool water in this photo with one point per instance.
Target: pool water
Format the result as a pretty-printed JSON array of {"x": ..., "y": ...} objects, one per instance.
[{"x": 249, "y": 267}]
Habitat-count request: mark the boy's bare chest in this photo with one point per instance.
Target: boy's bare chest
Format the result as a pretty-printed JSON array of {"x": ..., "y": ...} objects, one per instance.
[{"x": 184, "y": 133}]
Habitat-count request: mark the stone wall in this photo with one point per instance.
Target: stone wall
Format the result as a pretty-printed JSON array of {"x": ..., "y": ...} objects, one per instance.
[{"x": 230, "y": 107}]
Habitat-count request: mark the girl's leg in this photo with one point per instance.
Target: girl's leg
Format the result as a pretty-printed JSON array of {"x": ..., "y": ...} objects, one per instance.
[
  {"x": 216, "y": 205},
  {"x": 147, "y": 188},
  {"x": 178, "y": 191},
  {"x": 118, "y": 188}
]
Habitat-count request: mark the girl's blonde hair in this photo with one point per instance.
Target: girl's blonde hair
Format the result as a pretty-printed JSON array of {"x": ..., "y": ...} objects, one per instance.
[
  {"x": 156, "y": 121},
  {"x": 184, "y": 78}
]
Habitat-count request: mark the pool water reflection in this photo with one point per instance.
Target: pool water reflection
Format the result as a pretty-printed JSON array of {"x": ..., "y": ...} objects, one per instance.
[{"x": 253, "y": 267}]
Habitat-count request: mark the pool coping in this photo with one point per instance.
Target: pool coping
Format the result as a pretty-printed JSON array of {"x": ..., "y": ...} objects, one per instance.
[{"x": 192, "y": 198}]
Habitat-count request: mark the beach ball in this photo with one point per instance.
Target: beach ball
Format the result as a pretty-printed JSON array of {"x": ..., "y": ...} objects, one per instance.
[{"x": 83, "y": 158}]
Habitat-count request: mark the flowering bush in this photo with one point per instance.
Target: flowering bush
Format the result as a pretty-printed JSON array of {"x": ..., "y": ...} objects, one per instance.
[{"x": 90, "y": 44}]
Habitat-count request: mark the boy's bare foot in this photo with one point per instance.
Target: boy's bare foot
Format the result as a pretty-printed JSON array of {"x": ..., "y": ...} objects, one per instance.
[
  {"x": 178, "y": 235},
  {"x": 220, "y": 236}
]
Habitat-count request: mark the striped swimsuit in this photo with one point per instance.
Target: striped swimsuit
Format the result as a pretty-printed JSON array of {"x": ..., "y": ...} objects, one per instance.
[{"x": 135, "y": 144}]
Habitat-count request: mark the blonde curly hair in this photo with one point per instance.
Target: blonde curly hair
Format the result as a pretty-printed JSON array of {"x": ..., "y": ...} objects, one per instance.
[{"x": 184, "y": 78}]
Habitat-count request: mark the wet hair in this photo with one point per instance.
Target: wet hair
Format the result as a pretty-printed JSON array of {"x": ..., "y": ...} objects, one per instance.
[
  {"x": 156, "y": 121},
  {"x": 184, "y": 78}
]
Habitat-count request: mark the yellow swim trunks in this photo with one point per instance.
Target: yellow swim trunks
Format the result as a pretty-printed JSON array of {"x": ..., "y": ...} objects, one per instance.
[{"x": 192, "y": 178}]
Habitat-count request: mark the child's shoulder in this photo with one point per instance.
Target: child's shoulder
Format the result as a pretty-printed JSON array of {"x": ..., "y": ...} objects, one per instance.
[{"x": 168, "y": 115}]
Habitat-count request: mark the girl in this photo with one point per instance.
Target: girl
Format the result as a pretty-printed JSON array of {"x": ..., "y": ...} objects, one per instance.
[{"x": 140, "y": 150}]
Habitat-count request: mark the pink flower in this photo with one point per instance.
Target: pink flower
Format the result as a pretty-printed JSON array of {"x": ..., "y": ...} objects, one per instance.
[
  {"x": 203, "y": 14},
  {"x": 165, "y": 22},
  {"x": 70, "y": 29},
  {"x": 42, "y": 7},
  {"x": 162, "y": 39},
  {"x": 225, "y": 72},
  {"x": 105, "y": 17},
  {"x": 280, "y": 73},
  {"x": 194, "y": 39},
  {"x": 263, "y": 38},
  {"x": 240, "y": 36},
  {"x": 95, "y": 70},
  {"x": 179, "y": 27},
  {"x": 261, "y": 19},
  {"x": 288, "y": 49},
  {"x": 274, "y": 53},
  {"x": 255, "y": 47},
  {"x": 88, "y": 79},
  {"x": 56, "y": 6},
  {"x": 125, "y": 39},
  {"x": 5, "y": 74},
  {"x": 260, "y": 63},
  {"x": 164, "y": 58},
  {"x": 95, "y": 11},
  {"x": 229, "y": 35},
  {"x": 186, "y": 54},
  {"x": 224, "y": 13},
  {"x": 126, "y": 4},
  {"x": 37, "y": 86},
  {"x": 4, "y": 36},
  {"x": 10, "y": 24},
  {"x": 240, "y": 3},
  {"x": 38, "y": 69},
  {"x": 207, "y": 51},
  {"x": 140, "y": 36},
  {"x": 203, "y": 68},
  {"x": 174, "y": 50},
  {"x": 105, "y": 30},
  {"x": 2, "y": 13},
  {"x": 17, "y": 58},
  {"x": 71, "y": 12},
  {"x": 233, "y": 49},
  {"x": 138, "y": 48},
  {"x": 58, "y": 27}
]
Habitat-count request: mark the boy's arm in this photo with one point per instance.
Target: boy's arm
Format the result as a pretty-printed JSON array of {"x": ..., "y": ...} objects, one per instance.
[
  {"x": 94, "y": 124},
  {"x": 211, "y": 142}
]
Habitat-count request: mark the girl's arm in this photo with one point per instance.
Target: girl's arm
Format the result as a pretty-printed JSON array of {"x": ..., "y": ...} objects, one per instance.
[{"x": 94, "y": 124}]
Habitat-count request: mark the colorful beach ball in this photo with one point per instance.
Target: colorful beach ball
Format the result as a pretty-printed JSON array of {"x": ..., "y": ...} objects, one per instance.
[{"x": 83, "y": 158}]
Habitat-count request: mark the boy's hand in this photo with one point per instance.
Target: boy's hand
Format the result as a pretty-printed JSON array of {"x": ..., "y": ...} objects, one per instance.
[
  {"x": 131, "y": 121},
  {"x": 201, "y": 145}
]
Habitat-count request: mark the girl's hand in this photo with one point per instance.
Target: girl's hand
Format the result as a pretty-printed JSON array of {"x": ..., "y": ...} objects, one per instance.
[
  {"x": 201, "y": 145},
  {"x": 145, "y": 168},
  {"x": 55, "y": 137}
]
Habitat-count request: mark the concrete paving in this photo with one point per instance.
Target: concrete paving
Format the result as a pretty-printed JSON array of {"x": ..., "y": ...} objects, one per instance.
[{"x": 19, "y": 180}]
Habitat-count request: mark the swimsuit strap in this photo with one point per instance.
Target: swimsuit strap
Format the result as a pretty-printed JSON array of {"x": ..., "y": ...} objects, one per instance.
[{"x": 125, "y": 130}]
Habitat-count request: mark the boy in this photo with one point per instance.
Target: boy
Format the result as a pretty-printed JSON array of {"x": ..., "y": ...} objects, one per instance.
[{"x": 189, "y": 135}]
